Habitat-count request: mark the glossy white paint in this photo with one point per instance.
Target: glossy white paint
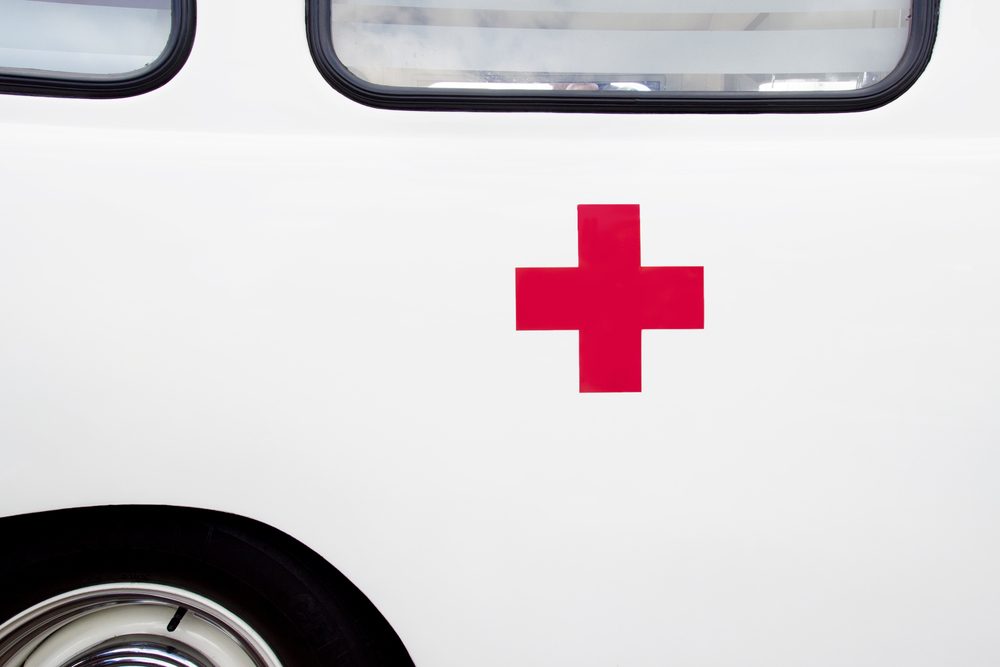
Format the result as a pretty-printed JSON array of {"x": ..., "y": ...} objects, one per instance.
[{"x": 245, "y": 292}]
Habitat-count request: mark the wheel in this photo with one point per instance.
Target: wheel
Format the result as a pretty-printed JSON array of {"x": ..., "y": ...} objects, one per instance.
[
  {"x": 129, "y": 623},
  {"x": 173, "y": 587}
]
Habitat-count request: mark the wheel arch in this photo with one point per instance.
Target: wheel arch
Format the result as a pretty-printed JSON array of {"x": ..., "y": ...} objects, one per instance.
[{"x": 240, "y": 557}]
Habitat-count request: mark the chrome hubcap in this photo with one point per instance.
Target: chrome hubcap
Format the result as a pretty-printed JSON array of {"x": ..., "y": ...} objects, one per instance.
[{"x": 139, "y": 654}]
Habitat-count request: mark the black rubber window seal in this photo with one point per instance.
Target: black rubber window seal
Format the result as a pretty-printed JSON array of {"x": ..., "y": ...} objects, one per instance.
[
  {"x": 164, "y": 68},
  {"x": 924, "y": 22}
]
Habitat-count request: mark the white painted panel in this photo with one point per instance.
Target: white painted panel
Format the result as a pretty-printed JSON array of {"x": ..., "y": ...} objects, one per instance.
[{"x": 271, "y": 300}]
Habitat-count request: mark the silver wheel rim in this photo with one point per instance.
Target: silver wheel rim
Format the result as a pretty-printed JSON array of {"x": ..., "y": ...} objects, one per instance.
[{"x": 131, "y": 624}]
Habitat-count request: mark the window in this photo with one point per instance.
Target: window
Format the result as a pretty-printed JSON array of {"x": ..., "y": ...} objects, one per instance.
[
  {"x": 92, "y": 48},
  {"x": 623, "y": 55}
]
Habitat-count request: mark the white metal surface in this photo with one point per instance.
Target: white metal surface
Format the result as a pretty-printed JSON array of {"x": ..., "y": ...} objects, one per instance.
[{"x": 304, "y": 308}]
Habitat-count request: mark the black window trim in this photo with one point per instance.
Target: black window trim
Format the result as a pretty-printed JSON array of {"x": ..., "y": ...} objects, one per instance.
[
  {"x": 65, "y": 84},
  {"x": 915, "y": 58}
]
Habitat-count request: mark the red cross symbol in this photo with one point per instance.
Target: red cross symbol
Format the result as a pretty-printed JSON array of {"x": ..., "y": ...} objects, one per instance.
[{"x": 609, "y": 298}]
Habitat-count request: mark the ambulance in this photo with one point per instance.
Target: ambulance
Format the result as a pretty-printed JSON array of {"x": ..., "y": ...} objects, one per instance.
[{"x": 482, "y": 333}]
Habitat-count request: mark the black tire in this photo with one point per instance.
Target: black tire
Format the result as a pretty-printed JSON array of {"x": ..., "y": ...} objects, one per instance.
[{"x": 307, "y": 612}]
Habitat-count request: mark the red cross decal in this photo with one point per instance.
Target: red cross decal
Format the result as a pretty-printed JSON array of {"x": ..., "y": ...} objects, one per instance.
[{"x": 610, "y": 298}]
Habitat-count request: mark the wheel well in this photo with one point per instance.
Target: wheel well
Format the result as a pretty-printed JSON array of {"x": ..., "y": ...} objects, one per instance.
[{"x": 287, "y": 583}]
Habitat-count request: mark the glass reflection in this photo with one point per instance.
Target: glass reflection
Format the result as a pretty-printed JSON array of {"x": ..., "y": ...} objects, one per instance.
[
  {"x": 83, "y": 37},
  {"x": 635, "y": 46}
]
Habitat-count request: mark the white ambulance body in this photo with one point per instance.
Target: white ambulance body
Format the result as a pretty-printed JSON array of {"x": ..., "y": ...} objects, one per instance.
[{"x": 244, "y": 292}]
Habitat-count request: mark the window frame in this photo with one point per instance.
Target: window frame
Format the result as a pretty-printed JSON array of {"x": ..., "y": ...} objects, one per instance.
[
  {"x": 99, "y": 86},
  {"x": 912, "y": 64}
]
